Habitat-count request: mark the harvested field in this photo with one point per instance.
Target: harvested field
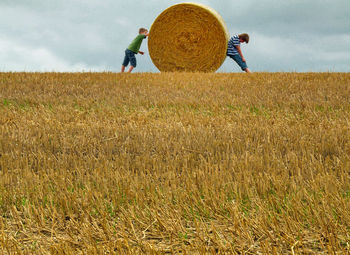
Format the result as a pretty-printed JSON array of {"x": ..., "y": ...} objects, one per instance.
[{"x": 104, "y": 163}]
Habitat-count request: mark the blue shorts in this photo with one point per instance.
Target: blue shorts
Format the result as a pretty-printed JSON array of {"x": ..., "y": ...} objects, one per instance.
[
  {"x": 239, "y": 61},
  {"x": 129, "y": 57}
]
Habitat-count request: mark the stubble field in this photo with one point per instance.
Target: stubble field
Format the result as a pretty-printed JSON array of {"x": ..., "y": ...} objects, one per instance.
[{"x": 105, "y": 163}]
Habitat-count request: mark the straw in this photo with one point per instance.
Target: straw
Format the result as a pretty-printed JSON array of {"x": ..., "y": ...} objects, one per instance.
[{"x": 188, "y": 37}]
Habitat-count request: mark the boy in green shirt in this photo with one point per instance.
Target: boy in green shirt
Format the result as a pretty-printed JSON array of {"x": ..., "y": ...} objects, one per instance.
[{"x": 133, "y": 49}]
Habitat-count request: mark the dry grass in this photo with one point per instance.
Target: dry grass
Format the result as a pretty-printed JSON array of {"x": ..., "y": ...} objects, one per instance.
[
  {"x": 102, "y": 163},
  {"x": 188, "y": 37}
]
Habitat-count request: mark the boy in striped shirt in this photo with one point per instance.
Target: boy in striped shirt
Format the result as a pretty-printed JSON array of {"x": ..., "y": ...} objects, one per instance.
[{"x": 234, "y": 50}]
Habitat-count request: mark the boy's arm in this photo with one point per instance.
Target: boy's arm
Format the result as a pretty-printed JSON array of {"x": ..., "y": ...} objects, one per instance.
[
  {"x": 240, "y": 52},
  {"x": 146, "y": 34}
]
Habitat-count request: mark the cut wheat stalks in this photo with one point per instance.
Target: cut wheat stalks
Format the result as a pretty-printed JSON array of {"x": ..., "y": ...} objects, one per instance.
[{"x": 188, "y": 37}]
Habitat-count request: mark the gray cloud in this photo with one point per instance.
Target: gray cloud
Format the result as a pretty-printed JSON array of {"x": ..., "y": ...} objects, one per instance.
[{"x": 47, "y": 35}]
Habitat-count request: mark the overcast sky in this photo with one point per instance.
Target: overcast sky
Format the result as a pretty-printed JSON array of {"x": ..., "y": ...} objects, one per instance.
[{"x": 91, "y": 35}]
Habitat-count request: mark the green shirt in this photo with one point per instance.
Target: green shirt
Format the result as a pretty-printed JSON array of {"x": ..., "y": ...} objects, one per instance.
[{"x": 136, "y": 43}]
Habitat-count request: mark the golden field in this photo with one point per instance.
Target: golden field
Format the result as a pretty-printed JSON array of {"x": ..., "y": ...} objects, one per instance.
[{"x": 105, "y": 163}]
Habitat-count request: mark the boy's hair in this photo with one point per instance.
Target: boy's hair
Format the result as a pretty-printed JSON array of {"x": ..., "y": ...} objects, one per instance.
[
  {"x": 141, "y": 30},
  {"x": 244, "y": 37}
]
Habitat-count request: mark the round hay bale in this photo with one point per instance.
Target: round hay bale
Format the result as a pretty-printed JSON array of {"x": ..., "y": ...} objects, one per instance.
[{"x": 188, "y": 37}]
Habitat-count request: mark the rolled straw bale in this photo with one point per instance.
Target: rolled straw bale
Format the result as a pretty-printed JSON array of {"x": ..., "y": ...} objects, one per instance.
[{"x": 188, "y": 37}]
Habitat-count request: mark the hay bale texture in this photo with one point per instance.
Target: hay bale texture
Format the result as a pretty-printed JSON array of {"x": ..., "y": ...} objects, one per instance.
[{"x": 188, "y": 37}]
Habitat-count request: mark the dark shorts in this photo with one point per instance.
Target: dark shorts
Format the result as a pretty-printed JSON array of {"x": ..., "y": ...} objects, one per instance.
[
  {"x": 129, "y": 57},
  {"x": 239, "y": 61}
]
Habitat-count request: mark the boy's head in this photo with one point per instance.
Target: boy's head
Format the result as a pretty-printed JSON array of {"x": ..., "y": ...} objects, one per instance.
[
  {"x": 244, "y": 38},
  {"x": 143, "y": 30}
]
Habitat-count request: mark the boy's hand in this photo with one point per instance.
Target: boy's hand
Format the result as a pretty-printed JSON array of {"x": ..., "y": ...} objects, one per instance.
[
  {"x": 141, "y": 52},
  {"x": 243, "y": 59}
]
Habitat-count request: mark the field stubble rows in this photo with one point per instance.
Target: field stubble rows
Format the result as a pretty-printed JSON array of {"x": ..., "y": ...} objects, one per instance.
[{"x": 157, "y": 163}]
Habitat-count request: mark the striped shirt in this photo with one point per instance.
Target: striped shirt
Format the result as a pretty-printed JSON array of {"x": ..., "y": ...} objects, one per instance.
[{"x": 231, "y": 49}]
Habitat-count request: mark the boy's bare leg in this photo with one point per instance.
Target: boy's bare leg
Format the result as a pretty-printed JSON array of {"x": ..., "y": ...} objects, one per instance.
[
  {"x": 130, "y": 69},
  {"x": 247, "y": 70},
  {"x": 123, "y": 69}
]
